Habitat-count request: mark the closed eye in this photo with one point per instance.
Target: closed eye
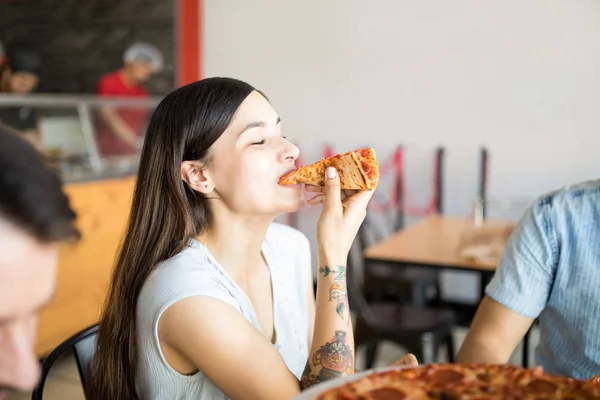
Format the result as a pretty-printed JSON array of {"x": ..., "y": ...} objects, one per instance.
[{"x": 259, "y": 143}]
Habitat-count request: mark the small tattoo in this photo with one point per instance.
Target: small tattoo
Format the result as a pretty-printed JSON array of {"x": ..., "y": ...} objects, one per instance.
[
  {"x": 339, "y": 272},
  {"x": 338, "y": 291}
]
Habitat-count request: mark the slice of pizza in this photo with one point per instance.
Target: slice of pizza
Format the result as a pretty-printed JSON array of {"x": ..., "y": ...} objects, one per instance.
[{"x": 358, "y": 170}]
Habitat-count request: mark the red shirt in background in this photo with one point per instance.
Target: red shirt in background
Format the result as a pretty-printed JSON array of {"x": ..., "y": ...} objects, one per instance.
[{"x": 114, "y": 85}]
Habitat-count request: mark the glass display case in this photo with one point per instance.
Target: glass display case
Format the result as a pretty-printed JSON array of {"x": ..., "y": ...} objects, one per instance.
[{"x": 86, "y": 138}]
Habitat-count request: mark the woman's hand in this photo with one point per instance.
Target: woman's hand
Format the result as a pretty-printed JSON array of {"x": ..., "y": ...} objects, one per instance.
[
  {"x": 343, "y": 213},
  {"x": 408, "y": 360}
]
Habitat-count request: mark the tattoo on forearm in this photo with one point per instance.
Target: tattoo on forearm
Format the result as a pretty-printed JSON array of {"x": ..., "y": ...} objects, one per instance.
[
  {"x": 334, "y": 358},
  {"x": 338, "y": 290}
]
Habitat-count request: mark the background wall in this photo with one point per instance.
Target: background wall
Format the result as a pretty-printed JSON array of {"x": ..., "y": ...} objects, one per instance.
[
  {"x": 80, "y": 40},
  {"x": 522, "y": 78}
]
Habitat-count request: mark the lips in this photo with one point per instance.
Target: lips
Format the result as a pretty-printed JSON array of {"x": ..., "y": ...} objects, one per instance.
[{"x": 287, "y": 172}]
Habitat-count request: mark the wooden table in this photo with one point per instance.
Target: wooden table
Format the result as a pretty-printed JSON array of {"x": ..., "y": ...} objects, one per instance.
[{"x": 434, "y": 243}]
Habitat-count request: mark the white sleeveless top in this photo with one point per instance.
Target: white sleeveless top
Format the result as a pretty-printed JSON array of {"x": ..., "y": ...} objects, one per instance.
[{"x": 195, "y": 272}]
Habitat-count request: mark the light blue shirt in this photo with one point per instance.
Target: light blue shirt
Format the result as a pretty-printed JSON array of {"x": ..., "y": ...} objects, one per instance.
[{"x": 551, "y": 269}]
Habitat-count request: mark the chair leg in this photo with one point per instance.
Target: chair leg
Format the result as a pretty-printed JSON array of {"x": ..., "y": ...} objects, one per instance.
[
  {"x": 525, "y": 356},
  {"x": 419, "y": 294},
  {"x": 371, "y": 354},
  {"x": 450, "y": 347},
  {"x": 437, "y": 299}
]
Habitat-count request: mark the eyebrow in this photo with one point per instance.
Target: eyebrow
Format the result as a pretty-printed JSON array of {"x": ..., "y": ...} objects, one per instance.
[{"x": 257, "y": 124}]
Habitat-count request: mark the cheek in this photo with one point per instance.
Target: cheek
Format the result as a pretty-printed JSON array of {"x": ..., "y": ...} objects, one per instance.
[
  {"x": 247, "y": 173},
  {"x": 143, "y": 74},
  {"x": 245, "y": 181}
]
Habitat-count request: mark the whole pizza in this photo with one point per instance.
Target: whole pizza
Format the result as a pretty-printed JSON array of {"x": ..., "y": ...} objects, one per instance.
[{"x": 464, "y": 382}]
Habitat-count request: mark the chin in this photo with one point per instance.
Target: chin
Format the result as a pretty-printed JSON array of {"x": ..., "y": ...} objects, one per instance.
[{"x": 292, "y": 202}]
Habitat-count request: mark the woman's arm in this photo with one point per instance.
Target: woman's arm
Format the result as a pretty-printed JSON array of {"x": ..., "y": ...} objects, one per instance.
[
  {"x": 216, "y": 339},
  {"x": 332, "y": 350},
  {"x": 311, "y": 304},
  {"x": 331, "y": 353}
]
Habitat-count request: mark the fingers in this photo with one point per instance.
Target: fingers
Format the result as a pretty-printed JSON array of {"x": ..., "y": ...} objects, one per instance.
[
  {"x": 318, "y": 199},
  {"x": 409, "y": 360},
  {"x": 344, "y": 194},
  {"x": 349, "y": 193},
  {"x": 332, "y": 189},
  {"x": 313, "y": 188},
  {"x": 359, "y": 200}
]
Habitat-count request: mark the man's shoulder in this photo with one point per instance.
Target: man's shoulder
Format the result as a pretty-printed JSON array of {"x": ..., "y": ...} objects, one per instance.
[{"x": 571, "y": 197}]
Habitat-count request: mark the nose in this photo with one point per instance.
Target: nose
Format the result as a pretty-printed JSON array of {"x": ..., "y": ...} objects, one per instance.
[
  {"x": 19, "y": 367},
  {"x": 290, "y": 152}
]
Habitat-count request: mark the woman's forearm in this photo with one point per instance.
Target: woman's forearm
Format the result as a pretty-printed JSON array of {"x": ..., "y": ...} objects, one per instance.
[{"x": 332, "y": 353}]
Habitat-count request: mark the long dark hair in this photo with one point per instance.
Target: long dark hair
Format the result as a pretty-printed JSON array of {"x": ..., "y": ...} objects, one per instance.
[{"x": 165, "y": 215}]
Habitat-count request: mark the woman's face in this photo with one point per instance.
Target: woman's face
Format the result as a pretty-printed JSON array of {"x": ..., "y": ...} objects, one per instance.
[{"x": 248, "y": 160}]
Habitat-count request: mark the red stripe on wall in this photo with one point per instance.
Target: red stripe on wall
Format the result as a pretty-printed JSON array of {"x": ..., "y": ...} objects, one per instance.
[{"x": 189, "y": 42}]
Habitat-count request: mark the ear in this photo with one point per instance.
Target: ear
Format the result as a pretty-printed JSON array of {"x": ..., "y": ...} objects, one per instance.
[{"x": 195, "y": 175}]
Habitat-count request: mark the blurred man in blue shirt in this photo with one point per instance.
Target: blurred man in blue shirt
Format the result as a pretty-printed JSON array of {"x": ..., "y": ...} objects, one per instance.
[{"x": 550, "y": 270}]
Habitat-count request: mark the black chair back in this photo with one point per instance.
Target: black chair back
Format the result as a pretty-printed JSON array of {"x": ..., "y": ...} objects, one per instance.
[{"x": 83, "y": 345}]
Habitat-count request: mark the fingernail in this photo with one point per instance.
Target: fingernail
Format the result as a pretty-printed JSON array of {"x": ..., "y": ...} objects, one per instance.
[{"x": 331, "y": 172}]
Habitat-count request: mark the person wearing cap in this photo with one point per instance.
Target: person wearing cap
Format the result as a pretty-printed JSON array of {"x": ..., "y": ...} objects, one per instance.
[
  {"x": 20, "y": 76},
  {"x": 119, "y": 129}
]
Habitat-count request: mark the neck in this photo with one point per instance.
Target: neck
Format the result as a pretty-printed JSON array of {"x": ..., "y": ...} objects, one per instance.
[
  {"x": 128, "y": 78},
  {"x": 236, "y": 241}
]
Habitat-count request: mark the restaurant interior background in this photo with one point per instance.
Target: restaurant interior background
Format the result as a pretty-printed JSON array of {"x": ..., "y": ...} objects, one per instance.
[{"x": 520, "y": 79}]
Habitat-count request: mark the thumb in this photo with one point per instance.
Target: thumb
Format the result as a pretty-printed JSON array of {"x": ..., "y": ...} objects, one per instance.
[{"x": 332, "y": 189}]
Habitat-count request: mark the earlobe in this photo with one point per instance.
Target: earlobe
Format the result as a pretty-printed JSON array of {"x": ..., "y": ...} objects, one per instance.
[
  {"x": 202, "y": 187},
  {"x": 196, "y": 178}
]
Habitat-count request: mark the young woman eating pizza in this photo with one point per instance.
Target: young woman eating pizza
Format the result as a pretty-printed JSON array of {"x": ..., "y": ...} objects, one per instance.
[{"x": 210, "y": 299}]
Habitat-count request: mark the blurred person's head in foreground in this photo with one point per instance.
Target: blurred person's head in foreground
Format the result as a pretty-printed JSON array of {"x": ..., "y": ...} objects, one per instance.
[
  {"x": 20, "y": 74},
  {"x": 35, "y": 218},
  {"x": 141, "y": 60}
]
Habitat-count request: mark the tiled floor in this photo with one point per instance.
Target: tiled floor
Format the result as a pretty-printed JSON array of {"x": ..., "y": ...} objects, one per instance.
[{"x": 63, "y": 382}]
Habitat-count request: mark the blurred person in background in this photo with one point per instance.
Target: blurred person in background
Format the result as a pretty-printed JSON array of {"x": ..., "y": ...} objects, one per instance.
[
  {"x": 20, "y": 76},
  {"x": 120, "y": 128},
  {"x": 30, "y": 235}
]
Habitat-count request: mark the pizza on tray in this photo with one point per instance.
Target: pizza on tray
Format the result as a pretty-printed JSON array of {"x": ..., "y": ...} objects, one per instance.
[
  {"x": 358, "y": 170},
  {"x": 464, "y": 382}
]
